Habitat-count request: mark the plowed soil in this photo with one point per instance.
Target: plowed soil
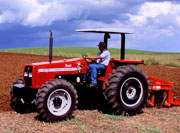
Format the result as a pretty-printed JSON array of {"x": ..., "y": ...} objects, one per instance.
[{"x": 151, "y": 120}]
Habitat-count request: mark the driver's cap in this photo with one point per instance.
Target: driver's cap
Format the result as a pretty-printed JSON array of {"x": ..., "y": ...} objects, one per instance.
[{"x": 102, "y": 44}]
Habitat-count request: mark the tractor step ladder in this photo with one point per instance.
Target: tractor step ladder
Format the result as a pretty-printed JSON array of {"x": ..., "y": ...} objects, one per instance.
[{"x": 155, "y": 85}]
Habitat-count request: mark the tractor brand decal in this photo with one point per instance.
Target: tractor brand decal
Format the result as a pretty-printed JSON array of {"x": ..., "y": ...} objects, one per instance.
[
  {"x": 59, "y": 69},
  {"x": 68, "y": 65}
]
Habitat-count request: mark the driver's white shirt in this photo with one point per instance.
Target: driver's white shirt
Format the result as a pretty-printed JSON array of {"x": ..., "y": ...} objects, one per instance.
[{"x": 105, "y": 54}]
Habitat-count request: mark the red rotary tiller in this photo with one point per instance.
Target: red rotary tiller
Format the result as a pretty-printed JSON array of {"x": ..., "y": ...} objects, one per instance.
[{"x": 156, "y": 85}]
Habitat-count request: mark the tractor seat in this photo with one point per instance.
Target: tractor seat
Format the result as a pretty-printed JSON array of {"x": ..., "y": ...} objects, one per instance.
[{"x": 101, "y": 73}]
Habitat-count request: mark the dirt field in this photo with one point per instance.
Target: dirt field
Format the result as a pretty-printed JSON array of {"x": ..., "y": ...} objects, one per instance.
[{"x": 151, "y": 120}]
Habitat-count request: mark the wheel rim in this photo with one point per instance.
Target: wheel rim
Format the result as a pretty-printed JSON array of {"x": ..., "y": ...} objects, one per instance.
[
  {"x": 131, "y": 92},
  {"x": 59, "y": 102}
]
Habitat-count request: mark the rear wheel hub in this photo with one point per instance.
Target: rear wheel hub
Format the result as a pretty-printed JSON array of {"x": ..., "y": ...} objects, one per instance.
[{"x": 131, "y": 92}]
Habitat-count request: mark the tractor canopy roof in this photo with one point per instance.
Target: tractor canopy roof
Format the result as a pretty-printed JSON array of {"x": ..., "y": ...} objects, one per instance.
[{"x": 107, "y": 30}]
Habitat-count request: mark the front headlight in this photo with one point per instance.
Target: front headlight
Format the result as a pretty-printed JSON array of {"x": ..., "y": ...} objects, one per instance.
[
  {"x": 25, "y": 74},
  {"x": 30, "y": 75}
]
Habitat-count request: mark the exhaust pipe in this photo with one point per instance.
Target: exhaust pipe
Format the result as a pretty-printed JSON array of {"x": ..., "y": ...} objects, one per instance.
[{"x": 50, "y": 46}]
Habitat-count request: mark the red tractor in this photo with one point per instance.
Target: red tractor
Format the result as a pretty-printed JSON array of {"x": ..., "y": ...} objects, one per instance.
[{"x": 53, "y": 88}]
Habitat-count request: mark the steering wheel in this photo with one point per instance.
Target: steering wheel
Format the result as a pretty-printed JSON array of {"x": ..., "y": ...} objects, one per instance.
[
  {"x": 88, "y": 60},
  {"x": 84, "y": 56}
]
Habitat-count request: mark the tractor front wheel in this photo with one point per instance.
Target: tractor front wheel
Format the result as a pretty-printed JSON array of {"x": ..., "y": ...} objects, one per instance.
[
  {"x": 56, "y": 100},
  {"x": 127, "y": 90}
]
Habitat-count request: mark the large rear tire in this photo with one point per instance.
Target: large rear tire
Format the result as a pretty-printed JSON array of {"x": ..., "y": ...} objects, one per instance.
[
  {"x": 22, "y": 102},
  {"x": 127, "y": 90},
  {"x": 56, "y": 100}
]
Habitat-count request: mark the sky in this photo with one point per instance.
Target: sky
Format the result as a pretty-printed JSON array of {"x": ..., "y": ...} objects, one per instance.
[{"x": 26, "y": 23}]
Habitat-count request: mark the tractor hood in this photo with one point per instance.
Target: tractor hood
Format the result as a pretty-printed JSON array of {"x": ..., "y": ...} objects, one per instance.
[
  {"x": 65, "y": 63},
  {"x": 36, "y": 74}
]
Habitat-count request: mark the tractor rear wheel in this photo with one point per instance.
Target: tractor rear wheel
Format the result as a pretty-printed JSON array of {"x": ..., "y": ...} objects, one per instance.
[
  {"x": 127, "y": 90},
  {"x": 22, "y": 102},
  {"x": 56, "y": 100}
]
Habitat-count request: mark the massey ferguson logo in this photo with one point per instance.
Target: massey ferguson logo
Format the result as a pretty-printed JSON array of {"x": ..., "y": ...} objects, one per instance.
[{"x": 68, "y": 65}]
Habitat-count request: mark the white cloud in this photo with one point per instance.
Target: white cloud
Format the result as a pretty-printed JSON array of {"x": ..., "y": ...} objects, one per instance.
[
  {"x": 100, "y": 24},
  {"x": 37, "y": 13},
  {"x": 154, "y": 9},
  {"x": 155, "y": 19},
  {"x": 7, "y": 16},
  {"x": 156, "y": 12},
  {"x": 102, "y": 2},
  {"x": 137, "y": 20},
  {"x": 44, "y": 12}
]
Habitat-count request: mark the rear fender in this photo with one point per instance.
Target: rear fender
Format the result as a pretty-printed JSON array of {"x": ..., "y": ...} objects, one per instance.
[
  {"x": 121, "y": 62},
  {"x": 115, "y": 63}
]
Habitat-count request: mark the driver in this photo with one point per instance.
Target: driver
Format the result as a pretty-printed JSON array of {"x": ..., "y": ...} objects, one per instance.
[{"x": 101, "y": 61}]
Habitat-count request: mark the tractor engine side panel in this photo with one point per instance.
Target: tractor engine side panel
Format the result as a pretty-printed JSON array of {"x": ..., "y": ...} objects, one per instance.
[
  {"x": 44, "y": 72},
  {"x": 43, "y": 77}
]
